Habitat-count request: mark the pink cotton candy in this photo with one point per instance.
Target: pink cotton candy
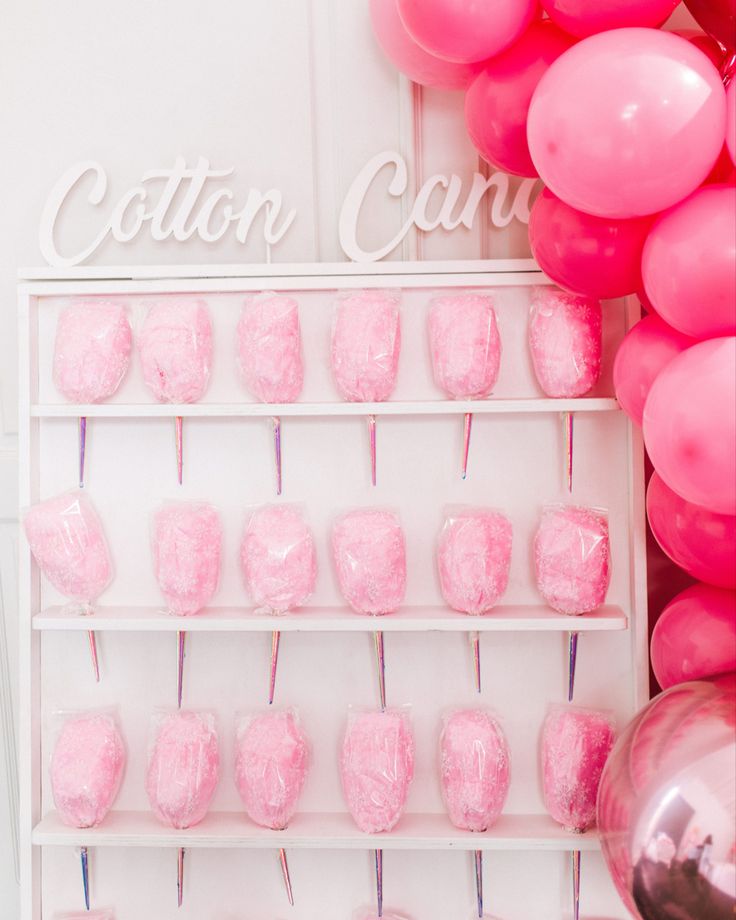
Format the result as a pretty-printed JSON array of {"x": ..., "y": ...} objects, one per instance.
[
  {"x": 366, "y": 339},
  {"x": 175, "y": 346},
  {"x": 68, "y": 543},
  {"x": 270, "y": 348},
  {"x": 377, "y": 767},
  {"x": 474, "y": 769},
  {"x": 187, "y": 541},
  {"x": 278, "y": 558},
  {"x": 370, "y": 559},
  {"x": 572, "y": 557},
  {"x": 465, "y": 345},
  {"x": 474, "y": 558},
  {"x": 91, "y": 351},
  {"x": 183, "y": 768},
  {"x": 575, "y": 745},
  {"x": 87, "y": 768},
  {"x": 565, "y": 342},
  {"x": 271, "y": 763}
]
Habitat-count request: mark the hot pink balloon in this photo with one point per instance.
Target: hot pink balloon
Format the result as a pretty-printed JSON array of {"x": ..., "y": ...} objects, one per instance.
[
  {"x": 583, "y": 18},
  {"x": 411, "y": 59},
  {"x": 497, "y": 101},
  {"x": 595, "y": 256},
  {"x": 717, "y": 18},
  {"x": 627, "y": 123},
  {"x": 690, "y": 425},
  {"x": 465, "y": 32},
  {"x": 647, "y": 348},
  {"x": 695, "y": 636},
  {"x": 701, "y": 542},
  {"x": 731, "y": 119},
  {"x": 689, "y": 264}
]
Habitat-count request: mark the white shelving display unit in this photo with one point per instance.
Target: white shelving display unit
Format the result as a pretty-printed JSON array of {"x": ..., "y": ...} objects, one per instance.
[{"x": 516, "y": 464}]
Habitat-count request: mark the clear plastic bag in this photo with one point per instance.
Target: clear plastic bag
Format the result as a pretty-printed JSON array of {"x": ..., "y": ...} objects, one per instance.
[
  {"x": 69, "y": 545},
  {"x": 464, "y": 344},
  {"x": 270, "y": 348},
  {"x": 175, "y": 348},
  {"x": 565, "y": 339},
  {"x": 369, "y": 552},
  {"x": 91, "y": 350},
  {"x": 87, "y": 766},
  {"x": 183, "y": 766},
  {"x": 575, "y": 745},
  {"x": 186, "y": 543},
  {"x": 278, "y": 558},
  {"x": 572, "y": 558},
  {"x": 475, "y": 768},
  {"x": 474, "y": 558},
  {"x": 272, "y": 758},
  {"x": 366, "y": 341},
  {"x": 377, "y": 766}
]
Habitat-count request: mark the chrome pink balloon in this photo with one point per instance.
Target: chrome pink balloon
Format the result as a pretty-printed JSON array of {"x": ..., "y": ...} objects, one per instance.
[
  {"x": 701, "y": 542},
  {"x": 460, "y": 31},
  {"x": 646, "y": 349},
  {"x": 497, "y": 101},
  {"x": 583, "y": 17},
  {"x": 596, "y": 256},
  {"x": 717, "y": 18},
  {"x": 689, "y": 264},
  {"x": 695, "y": 636},
  {"x": 709, "y": 46},
  {"x": 690, "y": 425},
  {"x": 627, "y": 123}
]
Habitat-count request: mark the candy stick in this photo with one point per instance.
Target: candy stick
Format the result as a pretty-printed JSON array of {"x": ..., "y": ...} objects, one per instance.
[
  {"x": 82, "y": 432},
  {"x": 479, "y": 880},
  {"x": 287, "y": 877},
  {"x": 93, "y": 652},
  {"x": 379, "y": 881},
  {"x": 381, "y": 666},
  {"x": 275, "y": 640},
  {"x": 181, "y": 643},
  {"x": 475, "y": 642},
  {"x": 567, "y": 422},
  {"x": 572, "y": 656},
  {"x": 276, "y": 421},
  {"x": 85, "y": 875},
  {"x": 467, "y": 428},
  {"x": 576, "y": 884},
  {"x": 180, "y": 877},
  {"x": 179, "y": 434},
  {"x": 372, "y": 441}
]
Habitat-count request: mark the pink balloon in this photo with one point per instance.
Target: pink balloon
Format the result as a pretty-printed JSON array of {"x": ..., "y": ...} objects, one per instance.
[
  {"x": 690, "y": 425},
  {"x": 717, "y": 18},
  {"x": 647, "y": 348},
  {"x": 701, "y": 542},
  {"x": 689, "y": 263},
  {"x": 695, "y": 636},
  {"x": 731, "y": 119},
  {"x": 404, "y": 53},
  {"x": 465, "y": 32},
  {"x": 595, "y": 256},
  {"x": 627, "y": 123},
  {"x": 497, "y": 101},
  {"x": 583, "y": 17}
]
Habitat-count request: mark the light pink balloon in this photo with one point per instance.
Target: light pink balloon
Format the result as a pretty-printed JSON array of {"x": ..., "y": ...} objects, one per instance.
[
  {"x": 731, "y": 119},
  {"x": 690, "y": 425},
  {"x": 701, "y": 542},
  {"x": 695, "y": 636},
  {"x": 689, "y": 264},
  {"x": 627, "y": 122},
  {"x": 465, "y": 32},
  {"x": 404, "y": 53},
  {"x": 497, "y": 101},
  {"x": 594, "y": 256},
  {"x": 647, "y": 348},
  {"x": 583, "y": 17}
]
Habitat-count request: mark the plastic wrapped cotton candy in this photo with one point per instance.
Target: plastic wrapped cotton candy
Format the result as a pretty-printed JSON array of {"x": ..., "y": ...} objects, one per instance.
[
  {"x": 474, "y": 558},
  {"x": 377, "y": 767},
  {"x": 183, "y": 767},
  {"x": 271, "y": 763},
  {"x": 86, "y": 768},
  {"x": 474, "y": 769},
  {"x": 187, "y": 542},
  {"x": 175, "y": 347},
  {"x": 572, "y": 558},
  {"x": 575, "y": 745},
  {"x": 270, "y": 348},
  {"x": 565, "y": 342},
  {"x": 465, "y": 345}
]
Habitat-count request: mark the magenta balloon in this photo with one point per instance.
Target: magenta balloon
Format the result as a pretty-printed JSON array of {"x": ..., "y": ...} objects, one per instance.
[
  {"x": 627, "y": 123},
  {"x": 583, "y": 17},
  {"x": 404, "y": 53},
  {"x": 690, "y": 425},
  {"x": 731, "y": 119},
  {"x": 646, "y": 349},
  {"x": 596, "y": 256},
  {"x": 701, "y": 542},
  {"x": 457, "y": 30},
  {"x": 717, "y": 18},
  {"x": 695, "y": 636},
  {"x": 689, "y": 263},
  {"x": 497, "y": 101}
]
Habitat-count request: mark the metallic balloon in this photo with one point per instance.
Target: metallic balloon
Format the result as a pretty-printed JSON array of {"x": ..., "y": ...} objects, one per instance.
[{"x": 667, "y": 805}]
